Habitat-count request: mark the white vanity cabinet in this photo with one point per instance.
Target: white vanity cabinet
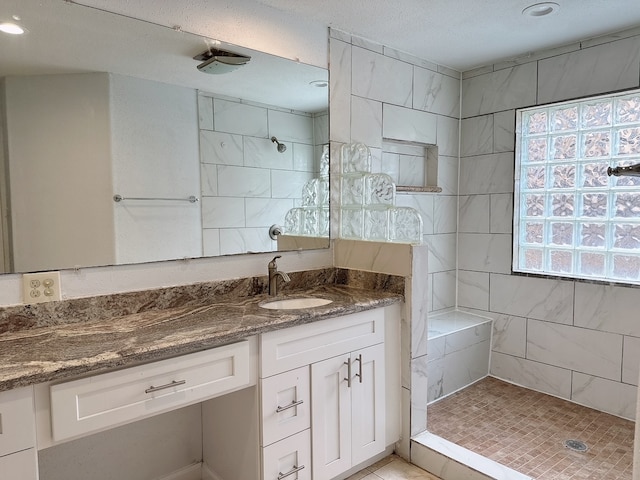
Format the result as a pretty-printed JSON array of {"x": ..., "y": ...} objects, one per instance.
[
  {"x": 323, "y": 387},
  {"x": 348, "y": 419},
  {"x": 17, "y": 435}
]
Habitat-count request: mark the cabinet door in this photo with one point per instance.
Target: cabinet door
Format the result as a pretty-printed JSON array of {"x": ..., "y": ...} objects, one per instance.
[
  {"x": 330, "y": 418},
  {"x": 19, "y": 466},
  {"x": 368, "y": 403},
  {"x": 17, "y": 430}
]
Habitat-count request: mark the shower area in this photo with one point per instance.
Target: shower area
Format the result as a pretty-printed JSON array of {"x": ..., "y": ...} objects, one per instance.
[{"x": 483, "y": 427}]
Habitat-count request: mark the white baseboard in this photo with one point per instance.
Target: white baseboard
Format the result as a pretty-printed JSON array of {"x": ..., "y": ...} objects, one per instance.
[{"x": 190, "y": 472}]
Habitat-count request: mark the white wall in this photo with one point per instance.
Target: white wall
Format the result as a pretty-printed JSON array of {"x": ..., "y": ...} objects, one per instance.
[
  {"x": 62, "y": 167},
  {"x": 571, "y": 339},
  {"x": 154, "y": 149}
]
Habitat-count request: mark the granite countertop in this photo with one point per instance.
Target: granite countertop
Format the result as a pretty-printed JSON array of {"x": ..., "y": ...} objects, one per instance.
[{"x": 64, "y": 350}]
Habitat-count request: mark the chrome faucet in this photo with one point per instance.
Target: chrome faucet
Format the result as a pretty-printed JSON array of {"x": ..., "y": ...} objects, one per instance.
[{"x": 273, "y": 276}]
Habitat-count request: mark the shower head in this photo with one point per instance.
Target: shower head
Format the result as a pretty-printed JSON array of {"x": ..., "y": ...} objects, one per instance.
[{"x": 281, "y": 146}]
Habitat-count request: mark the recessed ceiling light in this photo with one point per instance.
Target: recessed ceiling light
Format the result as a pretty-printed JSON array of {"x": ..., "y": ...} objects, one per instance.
[
  {"x": 11, "y": 28},
  {"x": 319, "y": 83},
  {"x": 541, "y": 9}
]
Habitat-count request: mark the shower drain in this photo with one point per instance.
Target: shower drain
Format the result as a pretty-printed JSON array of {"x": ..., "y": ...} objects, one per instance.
[{"x": 576, "y": 445}]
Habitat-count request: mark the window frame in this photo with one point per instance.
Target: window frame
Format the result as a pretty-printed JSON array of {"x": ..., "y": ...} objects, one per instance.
[{"x": 614, "y": 158}]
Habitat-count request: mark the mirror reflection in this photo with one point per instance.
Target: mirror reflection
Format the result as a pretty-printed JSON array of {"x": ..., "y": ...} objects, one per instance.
[{"x": 115, "y": 148}]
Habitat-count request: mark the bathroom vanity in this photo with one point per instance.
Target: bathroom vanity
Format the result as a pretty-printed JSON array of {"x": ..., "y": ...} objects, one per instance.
[{"x": 305, "y": 393}]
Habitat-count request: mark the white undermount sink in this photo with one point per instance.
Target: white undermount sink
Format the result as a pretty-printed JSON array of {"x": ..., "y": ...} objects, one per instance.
[{"x": 295, "y": 303}]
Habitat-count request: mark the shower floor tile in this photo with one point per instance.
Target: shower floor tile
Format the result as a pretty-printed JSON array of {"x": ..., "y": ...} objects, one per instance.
[{"x": 526, "y": 430}]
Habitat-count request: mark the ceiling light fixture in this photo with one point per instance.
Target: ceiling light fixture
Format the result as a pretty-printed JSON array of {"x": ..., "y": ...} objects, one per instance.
[
  {"x": 220, "y": 61},
  {"x": 11, "y": 28},
  {"x": 541, "y": 9}
]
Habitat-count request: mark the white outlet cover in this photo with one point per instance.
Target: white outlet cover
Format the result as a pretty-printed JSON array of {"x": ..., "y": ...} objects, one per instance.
[{"x": 41, "y": 287}]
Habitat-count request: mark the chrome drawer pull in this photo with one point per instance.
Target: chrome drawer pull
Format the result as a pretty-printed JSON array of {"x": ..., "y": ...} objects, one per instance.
[
  {"x": 359, "y": 360},
  {"x": 348, "y": 379},
  {"x": 175, "y": 383},
  {"x": 291, "y": 405},
  {"x": 290, "y": 472}
]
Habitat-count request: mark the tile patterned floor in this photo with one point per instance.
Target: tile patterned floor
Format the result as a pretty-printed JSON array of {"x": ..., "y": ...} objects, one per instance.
[
  {"x": 526, "y": 430},
  {"x": 392, "y": 468}
]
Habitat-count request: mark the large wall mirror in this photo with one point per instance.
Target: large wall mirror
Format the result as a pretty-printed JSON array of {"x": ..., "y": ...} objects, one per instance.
[{"x": 116, "y": 149}]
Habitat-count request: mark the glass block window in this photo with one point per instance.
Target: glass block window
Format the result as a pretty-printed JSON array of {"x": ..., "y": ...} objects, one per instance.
[{"x": 570, "y": 218}]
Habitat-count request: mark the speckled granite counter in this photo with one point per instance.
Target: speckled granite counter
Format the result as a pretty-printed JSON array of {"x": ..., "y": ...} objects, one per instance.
[{"x": 60, "y": 340}]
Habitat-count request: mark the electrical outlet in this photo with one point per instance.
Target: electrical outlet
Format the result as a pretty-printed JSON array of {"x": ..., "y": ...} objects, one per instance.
[{"x": 41, "y": 287}]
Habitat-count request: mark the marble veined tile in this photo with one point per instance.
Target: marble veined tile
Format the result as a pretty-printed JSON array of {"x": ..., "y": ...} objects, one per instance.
[
  {"x": 205, "y": 112},
  {"x": 602, "y": 68},
  {"x": 366, "y": 121},
  {"x": 340, "y": 90},
  {"x": 436, "y": 93},
  {"x": 530, "y": 297},
  {"x": 473, "y": 289},
  {"x": 445, "y": 213},
  {"x": 243, "y": 181},
  {"x": 288, "y": 184},
  {"x": 485, "y": 252},
  {"x": 243, "y": 119},
  {"x": 222, "y": 212},
  {"x": 486, "y": 174},
  {"x": 607, "y": 308},
  {"x": 474, "y": 213},
  {"x": 221, "y": 148},
  {"x": 501, "y": 213},
  {"x": 477, "y": 136},
  {"x": 419, "y": 394},
  {"x": 578, "y": 349},
  {"x": 381, "y": 78},
  {"x": 406, "y": 124},
  {"x": 444, "y": 290},
  {"x": 442, "y": 252},
  {"x": 458, "y": 369},
  {"x": 501, "y": 90},
  {"x": 291, "y": 127},
  {"x": 264, "y": 212},
  {"x": 504, "y": 126},
  {"x": 447, "y": 137},
  {"x": 262, "y": 153},
  {"x": 631, "y": 360},
  {"x": 510, "y": 335},
  {"x": 535, "y": 375},
  {"x": 604, "y": 395},
  {"x": 243, "y": 240},
  {"x": 209, "y": 179}
]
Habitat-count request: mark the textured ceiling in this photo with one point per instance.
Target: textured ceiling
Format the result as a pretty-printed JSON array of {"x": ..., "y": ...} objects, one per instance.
[{"x": 461, "y": 34}]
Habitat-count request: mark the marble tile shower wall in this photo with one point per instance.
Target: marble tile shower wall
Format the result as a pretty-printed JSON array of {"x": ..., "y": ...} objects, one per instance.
[
  {"x": 575, "y": 340},
  {"x": 247, "y": 185},
  {"x": 377, "y": 94}
]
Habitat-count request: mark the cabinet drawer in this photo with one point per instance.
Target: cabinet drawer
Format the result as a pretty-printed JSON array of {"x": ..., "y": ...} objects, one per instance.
[
  {"x": 294, "y": 347},
  {"x": 285, "y": 404},
  {"x": 114, "y": 398},
  {"x": 19, "y": 466},
  {"x": 17, "y": 430},
  {"x": 288, "y": 459}
]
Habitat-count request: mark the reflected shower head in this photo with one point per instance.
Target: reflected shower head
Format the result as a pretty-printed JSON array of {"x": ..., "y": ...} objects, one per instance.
[{"x": 281, "y": 146}]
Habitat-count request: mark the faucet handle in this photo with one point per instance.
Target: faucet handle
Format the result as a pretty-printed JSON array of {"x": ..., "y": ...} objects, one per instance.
[{"x": 272, "y": 263}]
